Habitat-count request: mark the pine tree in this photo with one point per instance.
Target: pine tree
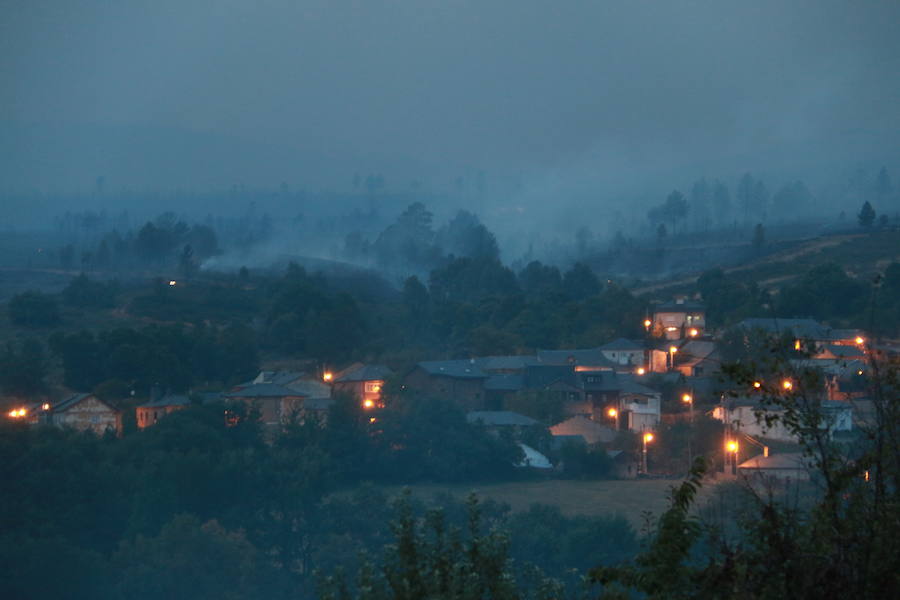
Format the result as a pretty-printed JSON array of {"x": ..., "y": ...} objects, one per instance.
[
  {"x": 759, "y": 237},
  {"x": 866, "y": 215}
]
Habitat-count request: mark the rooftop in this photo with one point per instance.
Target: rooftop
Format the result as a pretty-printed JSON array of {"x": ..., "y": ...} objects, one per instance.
[
  {"x": 167, "y": 400},
  {"x": 460, "y": 369},
  {"x": 365, "y": 373},
  {"x": 264, "y": 390},
  {"x": 622, "y": 344},
  {"x": 500, "y": 418}
]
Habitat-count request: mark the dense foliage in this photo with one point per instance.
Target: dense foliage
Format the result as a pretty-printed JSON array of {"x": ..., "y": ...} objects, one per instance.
[{"x": 192, "y": 508}]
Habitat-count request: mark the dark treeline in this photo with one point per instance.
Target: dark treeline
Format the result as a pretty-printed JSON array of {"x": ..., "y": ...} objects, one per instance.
[
  {"x": 194, "y": 508},
  {"x": 213, "y": 333}
]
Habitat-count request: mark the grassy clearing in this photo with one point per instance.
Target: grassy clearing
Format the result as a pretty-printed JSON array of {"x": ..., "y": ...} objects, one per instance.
[{"x": 628, "y": 498}]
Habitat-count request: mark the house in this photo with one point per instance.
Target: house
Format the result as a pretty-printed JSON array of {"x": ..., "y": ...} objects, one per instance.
[
  {"x": 277, "y": 404},
  {"x": 149, "y": 413},
  {"x": 624, "y": 352},
  {"x": 741, "y": 414},
  {"x": 806, "y": 331},
  {"x": 298, "y": 381},
  {"x": 662, "y": 356},
  {"x": 590, "y": 431},
  {"x": 637, "y": 407},
  {"x": 844, "y": 379},
  {"x": 625, "y": 464},
  {"x": 791, "y": 466},
  {"x": 459, "y": 380},
  {"x": 679, "y": 318},
  {"x": 839, "y": 352},
  {"x": 560, "y": 381},
  {"x": 498, "y": 388},
  {"x": 365, "y": 382},
  {"x": 698, "y": 358},
  {"x": 84, "y": 412},
  {"x": 802, "y": 329}
]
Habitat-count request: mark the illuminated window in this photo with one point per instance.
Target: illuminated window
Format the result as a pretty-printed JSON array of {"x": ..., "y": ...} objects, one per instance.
[{"x": 373, "y": 387}]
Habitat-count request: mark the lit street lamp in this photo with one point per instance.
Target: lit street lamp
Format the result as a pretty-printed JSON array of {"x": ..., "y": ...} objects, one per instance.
[
  {"x": 613, "y": 414},
  {"x": 646, "y": 439},
  {"x": 731, "y": 448}
]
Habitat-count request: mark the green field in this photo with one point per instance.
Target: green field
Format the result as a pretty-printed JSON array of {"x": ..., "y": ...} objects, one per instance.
[{"x": 628, "y": 498}]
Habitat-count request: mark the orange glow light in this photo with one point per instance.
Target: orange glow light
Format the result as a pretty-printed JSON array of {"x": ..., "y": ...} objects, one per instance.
[
  {"x": 694, "y": 333},
  {"x": 687, "y": 398},
  {"x": 45, "y": 406},
  {"x": 647, "y": 323},
  {"x": 673, "y": 349},
  {"x": 172, "y": 282},
  {"x": 787, "y": 384},
  {"x": 648, "y": 437},
  {"x": 327, "y": 376},
  {"x": 17, "y": 413},
  {"x": 757, "y": 384},
  {"x": 732, "y": 446},
  {"x": 796, "y": 344},
  {"x": 368, "y": 404},
  {"x": 859, "y": 340},
  {"x": 641, "y": 370},
  {"x": 612, "y": 413}
]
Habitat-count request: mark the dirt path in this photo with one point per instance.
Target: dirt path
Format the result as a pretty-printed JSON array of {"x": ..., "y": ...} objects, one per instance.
[{"x": 810, "y": 247}]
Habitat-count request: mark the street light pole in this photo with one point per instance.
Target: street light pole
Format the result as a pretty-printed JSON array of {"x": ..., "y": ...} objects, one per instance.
[
  {"x": 647, "y": 437},
  {"x": 688, "y": 398}
]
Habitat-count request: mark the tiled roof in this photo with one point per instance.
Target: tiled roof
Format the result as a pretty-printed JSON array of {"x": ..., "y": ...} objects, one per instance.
[
  {"x": 787, "y": 460},
  {"x": 504, "y": 382},
  {"x": 589, "y": 357},
  {"x": 365, "y": 373},
  {"x": 263, "y": 390},
  {"x": 499, "y": 418},
  {"x": 74, "y": 399},
  {"x": 686, "y": 306},
  {"x": 459, "y": 369},
  {"x": 167, "y": 400},
  {"x": 802, "y": 328},
  {"x": 845, "y": 351},
  {"x": 621, "y": 344},
  {"x": 591, "y": 431},
  {"x": 608, "y": 381},
  {"x": 513, "y": 362}
]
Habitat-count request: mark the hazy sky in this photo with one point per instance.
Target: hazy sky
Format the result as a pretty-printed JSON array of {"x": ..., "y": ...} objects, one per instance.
[{"x": 558, "y": 94}]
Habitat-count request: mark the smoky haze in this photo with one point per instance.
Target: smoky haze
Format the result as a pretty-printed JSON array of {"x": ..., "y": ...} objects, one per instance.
[{"x": 584, "y": 103}]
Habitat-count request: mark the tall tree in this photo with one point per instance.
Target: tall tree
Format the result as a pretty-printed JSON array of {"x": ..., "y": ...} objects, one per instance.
[
  {"x": 701, "y": 199},
  {"x": 866, "y": 215},
  {"x": 759, "y": 237},
  {"x": 721, "y": 200},
  {"x": 745, "y": 195}
]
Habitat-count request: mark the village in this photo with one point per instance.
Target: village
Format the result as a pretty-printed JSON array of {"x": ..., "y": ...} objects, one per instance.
[{"x": 587, "y": 396}]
